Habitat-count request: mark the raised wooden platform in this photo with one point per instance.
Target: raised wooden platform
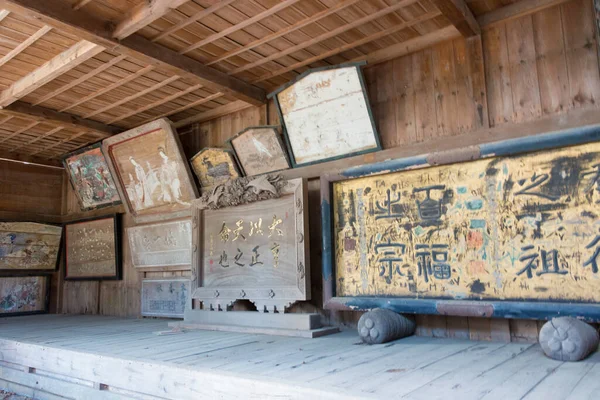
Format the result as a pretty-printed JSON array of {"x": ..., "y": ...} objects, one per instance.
[{"x": 89, "y": 357}]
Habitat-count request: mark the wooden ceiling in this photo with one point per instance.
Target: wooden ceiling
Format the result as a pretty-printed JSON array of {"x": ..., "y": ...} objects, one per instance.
[{"x": 75, "y": 71}]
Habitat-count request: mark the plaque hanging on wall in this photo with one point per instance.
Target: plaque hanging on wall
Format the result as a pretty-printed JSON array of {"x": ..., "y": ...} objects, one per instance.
[
  {"x": 29, "y": 246},
  {"x": 22, "y": 295},
  {"x": 165, "y": 297},
  {"x": 214, "y": 166},
  {"x": 260, "y": 150}
]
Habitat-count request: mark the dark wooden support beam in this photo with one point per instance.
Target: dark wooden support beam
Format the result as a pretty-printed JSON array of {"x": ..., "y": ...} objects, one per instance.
[
  {"x": 60, "y": 15},
  {"x": 515, "y": 10},
  {"x": 20, "y": 108},
  {"x": 459, "y": 14},
  {"x": 17, "y": 157}
]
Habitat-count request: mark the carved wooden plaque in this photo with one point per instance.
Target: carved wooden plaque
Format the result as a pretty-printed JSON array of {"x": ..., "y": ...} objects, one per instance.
[
  {"x": 256, "y": 251},
  {"x": 163, "y": 244},
  {"x": 93, "y": 249},
  {"x": 21, "y": 295},
  {"x": 153, "y": 177},
  {"x": 165, "y": 297},
  {"x": 29, "y": 246},
  {"x": 326, "y": 115},
  {"x": 214, "y": 166},
  {"x": 259, "y": 150}
]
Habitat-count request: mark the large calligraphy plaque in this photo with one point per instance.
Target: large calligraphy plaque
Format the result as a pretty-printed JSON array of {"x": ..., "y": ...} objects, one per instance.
[
  {"x": 165, "y": 244},
  {"x": 523, "y": 227},
  {"x": 255, "y": 251}
]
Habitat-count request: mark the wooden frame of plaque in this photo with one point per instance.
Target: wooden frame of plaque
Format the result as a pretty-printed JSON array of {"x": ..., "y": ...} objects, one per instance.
[
  {"x": 287, "y": 282},
  {"x": 21, "y": 237}
]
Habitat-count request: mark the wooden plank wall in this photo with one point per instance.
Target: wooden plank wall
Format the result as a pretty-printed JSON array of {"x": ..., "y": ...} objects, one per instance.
[{"x": 539, "y": 65}]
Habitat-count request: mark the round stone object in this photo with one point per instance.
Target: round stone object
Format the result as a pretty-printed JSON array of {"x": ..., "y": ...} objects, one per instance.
[
  {"x": 568, "y": 339},
  {"x": 381, "y": 326}
]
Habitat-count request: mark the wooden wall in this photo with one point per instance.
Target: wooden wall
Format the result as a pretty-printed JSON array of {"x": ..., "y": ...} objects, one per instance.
[{"x": 518, "y": 72}]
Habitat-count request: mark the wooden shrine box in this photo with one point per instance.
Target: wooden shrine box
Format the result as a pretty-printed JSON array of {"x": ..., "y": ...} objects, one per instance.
[{"x": 256, "y": 251}]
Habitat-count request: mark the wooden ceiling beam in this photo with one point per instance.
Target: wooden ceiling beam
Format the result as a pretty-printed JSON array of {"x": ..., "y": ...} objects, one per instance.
[
  {"x": 19, "y": 131},
  {"x": 3, "y": 14},
  {"x": 68, "y": 59},
  {"x": 289, "y": 29},
  {"x": 350, "y": 45},
  {"x": 22, "y": 109},
  {"x": 234, "y": 28},
  {"x": 10, "y": 156},
  {"x": 38, "y": 138},
  {"x": 515, "y": 10},
  {"x": 217, "y": 112},
  {"x": 325, "y": 36},
  {"x": 60, "y": 15},
  {"x": 196, "y": 17},
  {"x": 25, "y": 44},
  {"x": 144, "y": 14},
  {"x": 186, "y": 107},
  {"x": 459, "y": 15}
]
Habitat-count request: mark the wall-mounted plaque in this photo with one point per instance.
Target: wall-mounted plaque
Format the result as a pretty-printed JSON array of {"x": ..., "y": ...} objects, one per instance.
[
  {"x": 91, "y": 179},
  {"x": 214, "y": 166},
  {"x": 164, "y": 244},
  {"x": 512, "y": 234},
  {"x": 153, "y": 177},
  {"x": 326, "y": 114},
  {"x": 256, "y": 251},
  {"x": 93, "y": 249},
  {"x": 165, "y": 297},
  {"x": 21, "y": 295},
  {"x": 29, "y": 246},
  {"x": 259, "y": 150}
]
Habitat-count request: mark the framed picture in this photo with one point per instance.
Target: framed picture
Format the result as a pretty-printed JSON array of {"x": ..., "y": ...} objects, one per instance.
[
  {"x": 256, "y": 251},
  {"x": 91, "y": 179},
  {"x": 168, "y": 298},
  {"x": 326, "y": 115},
  {"x": 510, "y": 231},
  {"x": 93, "y": 249},
  {"x": 214, "y": 166},
  {"x": 153, "y": 177},
  {"x": 161, "y": 246},
  {"x": 29, "y": 246},
  {"x": 259, "y": 150},
  {"x": 24, "y": 295}
]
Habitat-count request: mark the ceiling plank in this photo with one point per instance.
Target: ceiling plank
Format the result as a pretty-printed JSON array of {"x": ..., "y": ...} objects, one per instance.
[
  {"x": 459, "y": 14},
  {"x": 325, "y": 36},
  {"x": 350, "y": 45},
  {"x": 58, "y": 65},
  {"x": 25, "y": 44},
  {"x": 217, "y": 112},
  {"x": 10, "y": 156},
  {"x": 234, "y": 28},
  {"x": 80, "y": 4},
  {"x": 185, "y": 107},
  {"x": 196, "y": 17},
  {"x": 17, "y": 132},
  {"x": 61, "y": 16},
  {"x": 38, "y": 138},
  {"x": 145, "y": 14},
  {"x": 22, "y": 109},
  {"x": 515, "y": 10}
]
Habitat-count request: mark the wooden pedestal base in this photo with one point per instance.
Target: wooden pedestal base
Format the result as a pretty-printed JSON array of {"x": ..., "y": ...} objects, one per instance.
[{"x": 298, "y": 325}]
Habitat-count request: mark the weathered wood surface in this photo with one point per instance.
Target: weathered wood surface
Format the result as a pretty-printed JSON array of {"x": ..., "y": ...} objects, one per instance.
[
  {"x": 23, "y": 294},
  {"x": 260, "y": 150},
  {"x": 125, "y": 355},
  {"x": 166, "y": 297},
  {"x": 29, "y": 246}
]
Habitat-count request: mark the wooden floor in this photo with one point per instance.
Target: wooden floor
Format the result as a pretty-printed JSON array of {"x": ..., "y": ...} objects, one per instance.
[{"x": 83, "y": 357}]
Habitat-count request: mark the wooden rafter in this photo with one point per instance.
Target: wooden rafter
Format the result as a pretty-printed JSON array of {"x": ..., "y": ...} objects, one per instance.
[
  {"x": 3, "y": 14},
  {"x": 143, "y": 15},
  {"x": 186, "y": 107},
  {"x": 234, "y": 28},
  {"x": 66, "y": 140},
  {"x": 38, "y": 138},
  {"x": 80, "y": 4},
  {"x": 190, "y": 20},
  {"x": 58, "y": 65},
  {"x": 61, "y": 16},
  {"x": 289, "y": 29},
  {"x": 25, "y": 44},
  {"x": 22, "y": 109},
  {"x": 133, "y": 96},
  {"x": 515, "y": 10},
  {"x": 459, "y": 15},
  {"x": 350, "y": 45},
  {"x": 217, "y": 112},
  {"x": 80, "y": 80},
  {"x": 19, "y": 131},
  {"x": 16, "y": 157},
  {"x": 108, "y": 88},
  {"x": 325, "y": 36},
  {"x": 156, "y": 103}
]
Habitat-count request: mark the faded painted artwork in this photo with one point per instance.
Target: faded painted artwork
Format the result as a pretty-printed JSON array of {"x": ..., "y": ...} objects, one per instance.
[
  {"x": 29, "y": 246},
  {"x": 161, "y": 245},
  {"x": 214, "y": 167},
  {"x": 165, "y": 297},
  {"x": 91, "y": 249},
  {"x": 326, "y": 115},
  {"x": 91, "y": 178},
  {"x": 151, "y": 170},
  {"x": 508, "y": 228},
  {"x": 260, "y": 150},
  {"x": 23, "y": 294}
]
